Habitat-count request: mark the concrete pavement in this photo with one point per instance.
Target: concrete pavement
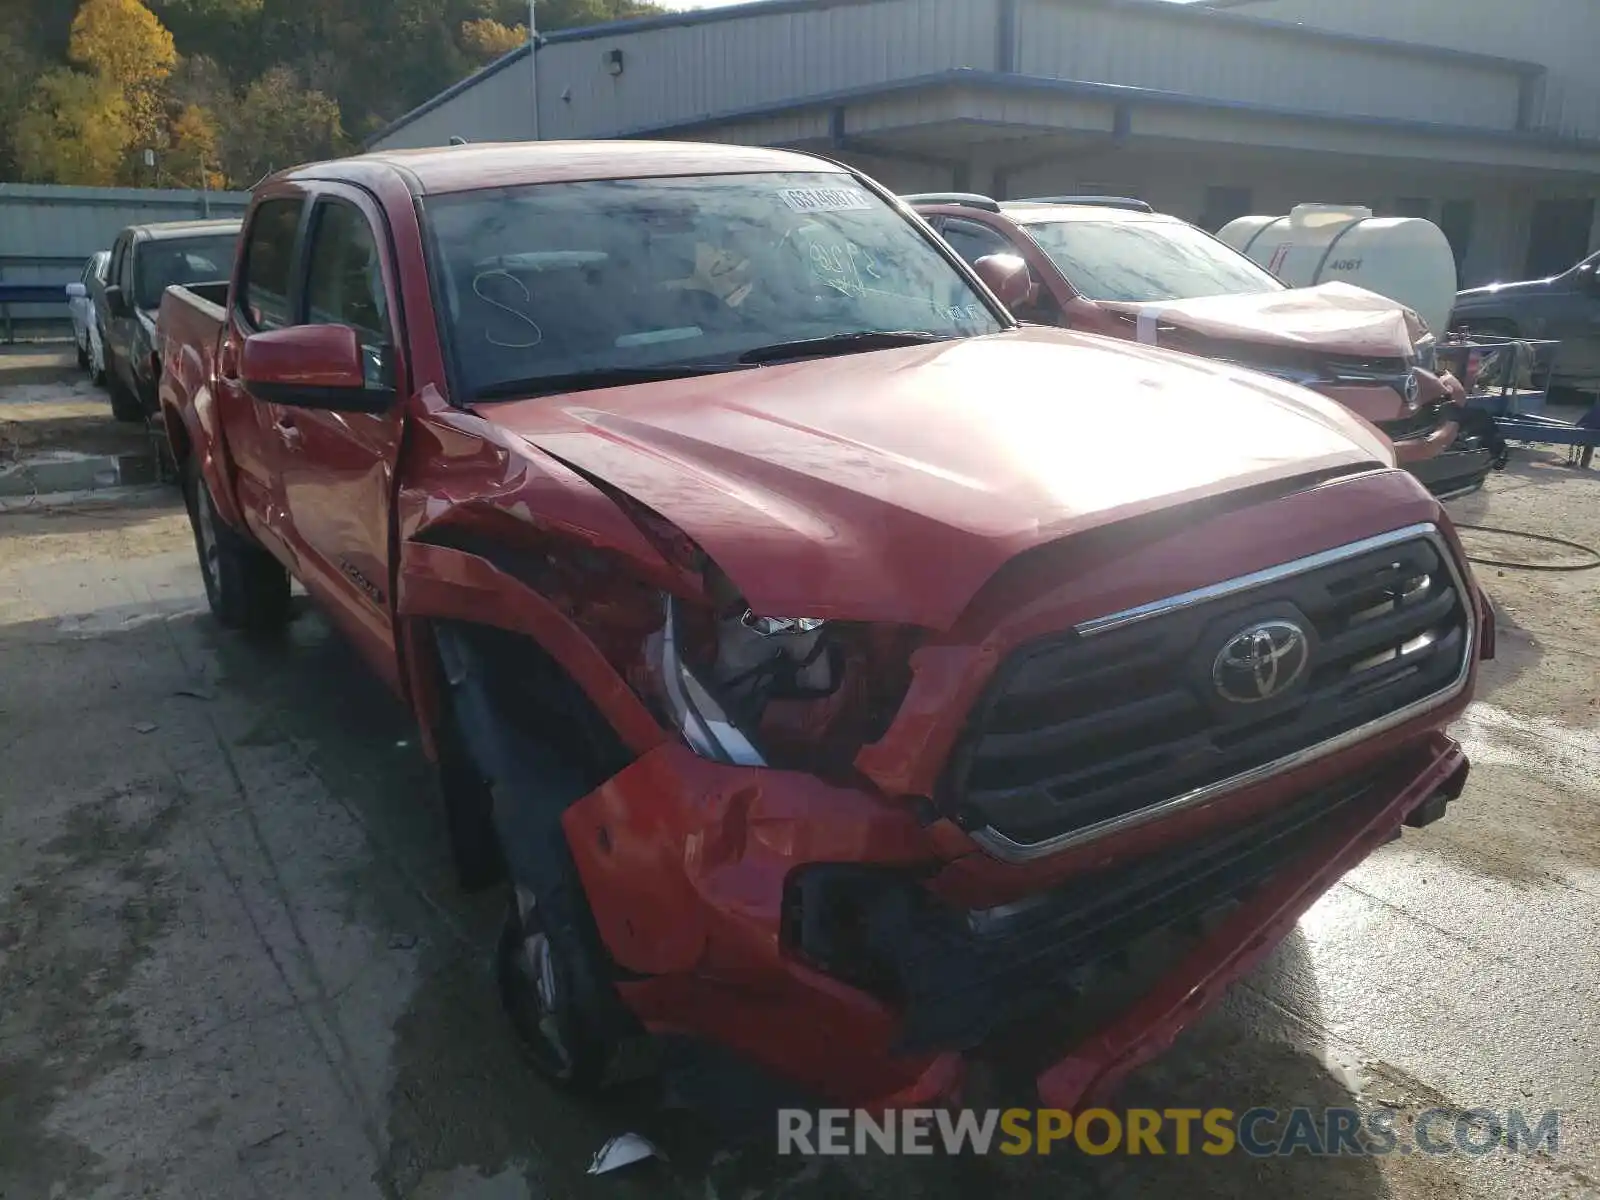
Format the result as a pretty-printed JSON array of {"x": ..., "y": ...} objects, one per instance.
[{"x": 233, "y": 962}]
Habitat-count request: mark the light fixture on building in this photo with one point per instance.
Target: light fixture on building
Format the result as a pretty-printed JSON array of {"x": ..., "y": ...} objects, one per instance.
[{"x": 613, "y": 61}]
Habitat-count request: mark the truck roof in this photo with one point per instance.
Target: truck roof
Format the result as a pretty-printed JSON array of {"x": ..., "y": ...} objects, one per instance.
[
  {"x": 1029, "y": 212},
  {"x": 177, "y": 229},
  {"x": 509, "y": 164}
]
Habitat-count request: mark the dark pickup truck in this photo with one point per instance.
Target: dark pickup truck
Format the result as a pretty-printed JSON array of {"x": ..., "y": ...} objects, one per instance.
[
  {"x": 1564, "y": 308},
  {"x": 145, "y": 260},
  {"x": 811, "y": 679}
]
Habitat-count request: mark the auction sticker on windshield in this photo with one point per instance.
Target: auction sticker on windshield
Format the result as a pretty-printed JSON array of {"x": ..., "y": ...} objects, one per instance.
[{"x": 815, "y": 200}]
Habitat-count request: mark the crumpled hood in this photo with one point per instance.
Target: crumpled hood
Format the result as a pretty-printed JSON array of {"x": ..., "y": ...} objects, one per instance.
[
  {"x": 890, "y": 486},
  {"x": 1332, "y": 318}
]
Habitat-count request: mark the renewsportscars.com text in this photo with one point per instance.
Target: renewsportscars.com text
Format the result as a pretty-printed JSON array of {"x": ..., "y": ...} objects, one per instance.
[{"x": 1258, "y": 1132}]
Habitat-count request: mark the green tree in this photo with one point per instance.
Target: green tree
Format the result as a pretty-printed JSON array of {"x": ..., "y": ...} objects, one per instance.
[
  {"x": 574, "y": 14},
  {"x": 19, "y": 68},
  {"x": 75, "y": 129},
  {"x": 277, "y": 123}
]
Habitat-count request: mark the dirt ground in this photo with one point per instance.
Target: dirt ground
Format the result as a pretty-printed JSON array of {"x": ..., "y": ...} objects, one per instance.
[
  {"x": 47, "y": 404},
  {"x": 233, "y": 962}
]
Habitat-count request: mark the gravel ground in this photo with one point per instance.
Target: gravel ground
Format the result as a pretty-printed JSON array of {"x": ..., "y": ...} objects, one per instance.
[{"x": 233, "y": 963}]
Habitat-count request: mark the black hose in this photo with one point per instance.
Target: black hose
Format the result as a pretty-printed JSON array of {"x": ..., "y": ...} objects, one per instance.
[{"x": 1533, "y": 537}]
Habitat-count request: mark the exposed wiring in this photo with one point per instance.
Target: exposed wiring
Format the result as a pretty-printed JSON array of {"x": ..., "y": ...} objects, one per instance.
[{"x": 1593, "y": 555}]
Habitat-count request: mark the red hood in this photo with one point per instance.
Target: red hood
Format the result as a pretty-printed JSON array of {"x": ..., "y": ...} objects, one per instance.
[
  {"x": 1334, "y": 318},
  {"x": 889, "y": 486}
]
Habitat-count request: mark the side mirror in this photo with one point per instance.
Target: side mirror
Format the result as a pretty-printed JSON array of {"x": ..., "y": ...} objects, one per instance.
[
  {"x": 313, "y": 366},
  {"x": 1007, "y": 276},
  {"x": 76, "y": 291},
  {"x": 116, "y": 301}
]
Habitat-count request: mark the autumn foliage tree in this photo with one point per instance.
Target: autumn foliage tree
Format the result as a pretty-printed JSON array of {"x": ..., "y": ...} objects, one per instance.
[
  {"x": 487, "y": 39},
  {"x": 75, "y": 129},
  {"x": 224, "y": 90}
]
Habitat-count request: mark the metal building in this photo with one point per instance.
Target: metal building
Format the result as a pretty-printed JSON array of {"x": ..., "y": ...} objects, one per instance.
[{"x": 1206, "y": 110}]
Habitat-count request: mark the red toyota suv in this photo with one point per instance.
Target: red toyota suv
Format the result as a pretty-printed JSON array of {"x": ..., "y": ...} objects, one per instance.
[{"x": 1112, "y": 265}]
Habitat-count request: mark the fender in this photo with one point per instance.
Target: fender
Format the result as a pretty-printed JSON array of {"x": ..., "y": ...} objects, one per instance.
[
  {"x": 438, "y": 582},
  {"x": 191, "y": 409}
]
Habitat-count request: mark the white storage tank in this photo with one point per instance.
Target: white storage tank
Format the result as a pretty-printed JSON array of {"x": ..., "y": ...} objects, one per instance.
[{"x": 1404, "y": 258}]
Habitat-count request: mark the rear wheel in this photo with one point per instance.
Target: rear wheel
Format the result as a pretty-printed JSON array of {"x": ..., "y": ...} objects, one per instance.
[
  {"x": 245, "y": 586},
  {"x": 125, "y": 405}
]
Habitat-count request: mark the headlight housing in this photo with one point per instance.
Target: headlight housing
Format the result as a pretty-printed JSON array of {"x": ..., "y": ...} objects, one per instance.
[
  {"x": 698, "y": 715},
  {"x": 1426, "y": 352}
]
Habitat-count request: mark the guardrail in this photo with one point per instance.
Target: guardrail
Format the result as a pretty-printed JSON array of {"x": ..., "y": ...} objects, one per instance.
[{"x": 27, "y": 293}]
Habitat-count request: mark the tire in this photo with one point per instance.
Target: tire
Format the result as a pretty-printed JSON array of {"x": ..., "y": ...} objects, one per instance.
[
  {"x": 97, "y": 361},
  {"x": 536, "y": 994},
  {"x": 125, "y": 405},
  {"x": 245, "y": 586}
]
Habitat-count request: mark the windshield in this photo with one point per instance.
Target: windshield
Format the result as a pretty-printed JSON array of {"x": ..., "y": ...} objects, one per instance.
[
  {"x": 557, "y": 280},
  {"x": 182, "y": 261},
  {"x": 1139, "y": 261}
]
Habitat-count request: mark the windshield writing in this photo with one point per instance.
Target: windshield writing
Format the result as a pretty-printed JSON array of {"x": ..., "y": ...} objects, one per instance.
[
  {"x": 557, "y": 279},
  {"x": 1141, "y": 261}
]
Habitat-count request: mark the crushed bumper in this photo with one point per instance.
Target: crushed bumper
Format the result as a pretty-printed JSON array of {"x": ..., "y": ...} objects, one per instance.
[
  {"x": 690, "y": 868},
  {"x": 1243, "y": 940},
  {"x": 1456, "y": 472}
]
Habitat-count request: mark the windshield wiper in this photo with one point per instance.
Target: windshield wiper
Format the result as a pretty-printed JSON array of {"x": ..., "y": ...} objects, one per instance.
[
  {"x": 603, "y": 377},
  {"x": 843, "y": 343}
]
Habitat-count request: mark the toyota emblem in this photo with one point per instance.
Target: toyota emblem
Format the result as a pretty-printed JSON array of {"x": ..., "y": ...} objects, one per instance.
[
  {"x": 1261, "y": 662},
  {"x": 1413, "y": 390}
]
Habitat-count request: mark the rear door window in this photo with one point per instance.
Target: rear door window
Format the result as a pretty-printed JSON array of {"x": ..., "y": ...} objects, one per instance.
[
  {"x": 269, "y": 264},
  {"x": 344, "y": 283},
  {"x": 973, "y": 240},
  {"x": 119, "y": 267}
]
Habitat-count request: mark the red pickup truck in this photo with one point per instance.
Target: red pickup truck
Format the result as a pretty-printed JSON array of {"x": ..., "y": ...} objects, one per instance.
[{"x": 817, "y": 685}]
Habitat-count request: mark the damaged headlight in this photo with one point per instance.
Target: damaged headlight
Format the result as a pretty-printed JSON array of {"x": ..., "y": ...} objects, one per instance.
[
  {"x": 1426, "y": 353},
  {"x": 716, "y": 700},
  {"x": 698, "y": 714}
]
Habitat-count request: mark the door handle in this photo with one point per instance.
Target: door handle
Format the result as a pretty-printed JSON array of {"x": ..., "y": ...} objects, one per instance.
[{"x": 289, "y": 433}]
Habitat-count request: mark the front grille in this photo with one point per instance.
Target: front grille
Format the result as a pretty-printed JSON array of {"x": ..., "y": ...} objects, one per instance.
[
  {"x": 1414, "y": 425},
  {"x": 960, "y": 980},
  {"x": 1075, "y": 730},
  {"x": 1393, "y": 373}
]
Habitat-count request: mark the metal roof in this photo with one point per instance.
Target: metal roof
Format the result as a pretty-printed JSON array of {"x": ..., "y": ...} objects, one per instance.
[{"x": 774, "y": 8}]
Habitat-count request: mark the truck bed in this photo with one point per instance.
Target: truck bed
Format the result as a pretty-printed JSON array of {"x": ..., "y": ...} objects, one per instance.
[{"x": 188, "y": 328}]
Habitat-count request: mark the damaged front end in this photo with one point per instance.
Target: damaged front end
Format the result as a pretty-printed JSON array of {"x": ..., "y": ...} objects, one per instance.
[{"x": 859, "y": 854}]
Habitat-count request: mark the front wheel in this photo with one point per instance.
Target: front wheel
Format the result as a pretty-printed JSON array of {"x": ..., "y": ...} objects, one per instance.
[
  {"x": 537, "y": 993},
  {"x": 97, "y": 359},
  {"x": 245, "y": 586}
]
